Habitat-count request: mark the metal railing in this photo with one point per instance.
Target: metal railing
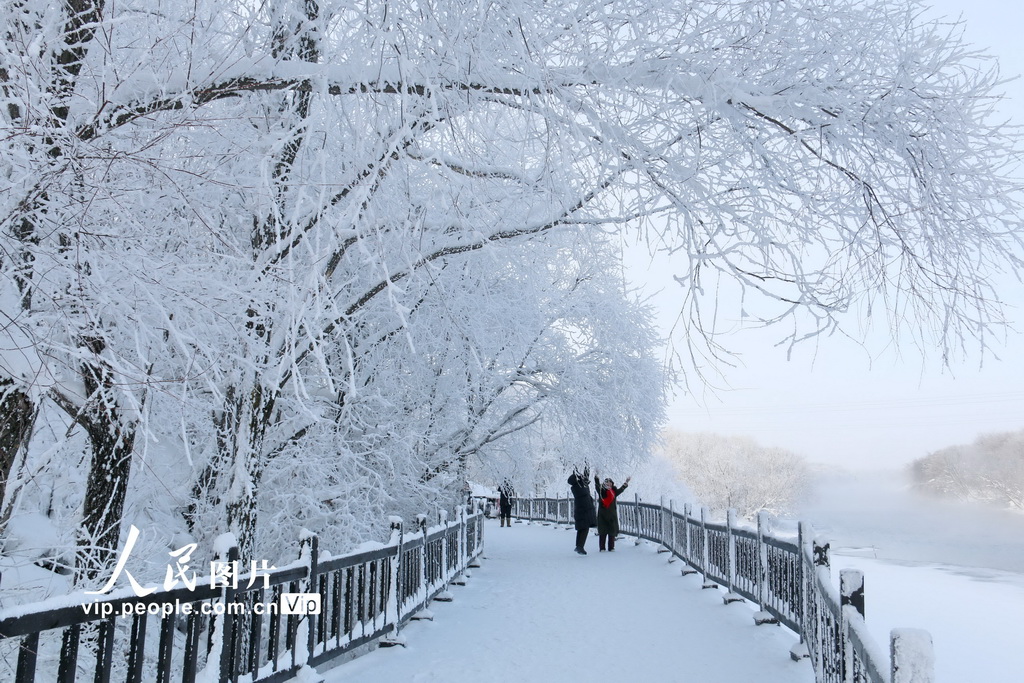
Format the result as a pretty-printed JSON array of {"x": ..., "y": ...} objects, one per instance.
[
  {"x": 788, "y": 578},
  {"x": 235, "y": 632}
]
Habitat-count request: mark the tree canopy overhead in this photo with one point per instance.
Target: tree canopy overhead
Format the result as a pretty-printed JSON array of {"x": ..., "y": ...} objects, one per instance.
[{"x": 376, "y": 240}]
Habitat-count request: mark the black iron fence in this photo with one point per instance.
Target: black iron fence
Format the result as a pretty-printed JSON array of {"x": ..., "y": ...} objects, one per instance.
[
  {"x": 787, "y": 577},
  {"x": 304, "y": 614}
]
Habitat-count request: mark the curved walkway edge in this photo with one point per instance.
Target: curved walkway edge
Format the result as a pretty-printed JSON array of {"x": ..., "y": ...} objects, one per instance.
[{"x": 536, "y": 611}]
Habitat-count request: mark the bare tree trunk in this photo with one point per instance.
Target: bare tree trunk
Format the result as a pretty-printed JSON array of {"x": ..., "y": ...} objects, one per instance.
[
  {"x": 247, "y": 418},
  {"x": 112, "y": 441},
  {"x": 17, "y": 411},
  {"x": 17, "y": 414}
]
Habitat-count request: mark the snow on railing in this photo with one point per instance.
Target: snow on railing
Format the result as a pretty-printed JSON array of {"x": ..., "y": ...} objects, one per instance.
[
  {"x": 787, "y": 578},
  {"x": 304, "y": 614}
]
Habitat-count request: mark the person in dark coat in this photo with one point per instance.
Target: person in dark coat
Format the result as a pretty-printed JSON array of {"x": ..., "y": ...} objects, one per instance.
[
  {"x": 607, "y": 511},
  {"x": 583, "y": 508},
  {"x": 505, "y": 504}
]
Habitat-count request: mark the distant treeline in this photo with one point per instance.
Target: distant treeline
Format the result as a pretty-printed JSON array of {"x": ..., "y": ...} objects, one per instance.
[
  {"x": 732, "y": 472},
  {"x": 990, "y": 470}
]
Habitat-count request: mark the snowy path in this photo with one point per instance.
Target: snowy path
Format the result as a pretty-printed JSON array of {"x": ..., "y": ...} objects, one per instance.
[{"x": 536, "y": 611}]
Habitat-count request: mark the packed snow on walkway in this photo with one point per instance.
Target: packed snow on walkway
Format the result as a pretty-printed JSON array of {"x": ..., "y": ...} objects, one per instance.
[{"x": 536, "y": 611}]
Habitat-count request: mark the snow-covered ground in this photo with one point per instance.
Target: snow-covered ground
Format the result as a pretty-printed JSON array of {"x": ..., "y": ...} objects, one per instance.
[{"x": 536, "y": 611}]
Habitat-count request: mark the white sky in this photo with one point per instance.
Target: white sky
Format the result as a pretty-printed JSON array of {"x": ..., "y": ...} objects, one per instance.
[{"x": 836, "y": 402}]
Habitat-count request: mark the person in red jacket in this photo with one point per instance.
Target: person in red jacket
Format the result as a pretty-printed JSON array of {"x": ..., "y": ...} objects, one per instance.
[{"x": 607, "y": 511}]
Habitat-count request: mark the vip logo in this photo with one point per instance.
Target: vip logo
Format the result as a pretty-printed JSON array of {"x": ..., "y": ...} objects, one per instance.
[{"x": 300, "y": 603}]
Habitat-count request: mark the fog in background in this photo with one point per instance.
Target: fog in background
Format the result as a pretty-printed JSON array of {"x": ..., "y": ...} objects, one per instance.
[{"x": 878, "y": 515}]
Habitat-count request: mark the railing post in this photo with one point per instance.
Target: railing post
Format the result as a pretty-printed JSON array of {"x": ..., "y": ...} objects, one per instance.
[
  {"x": 397, "y": 536},
  {"x": 800, "y": 651},
  {"x": 851, "y": 594},
  {"x": 820, "y": 560},
  {"x": 478, "y": 539},
  {"x": 730, "y": 558},
  {"x": 661, "y": 521},
  {"x": 913, "y": 659},
  {"x": 443, "y": 521},
  {"x": 688, "y": 565},
  {"x": 309, "y": 547},
  {"x": 445, "y": 573},
  {"x": 462, "y": 563},
  {"x": 762, "y": 561},
  {"x": 421, "y": 521},
  {"x": 228, "y": 639},
  {"x": 763, "y": 616},
  {"x": 672, "y": 530},
  {"x": 686, "y": 532},
  {"x": 463, "y": 539},
  {"x": 730, "y": 547},
  {"x": 704, "y": 549},
  {"x": 638, "y": 516}
]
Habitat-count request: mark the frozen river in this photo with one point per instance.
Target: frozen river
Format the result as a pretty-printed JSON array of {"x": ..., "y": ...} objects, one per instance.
[
  {"x": 878, "y": 515},
  {"x": 954, "y": 569}
]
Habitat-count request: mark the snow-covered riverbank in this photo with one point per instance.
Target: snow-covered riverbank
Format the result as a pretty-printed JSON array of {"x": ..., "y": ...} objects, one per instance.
[{"x": 954, "y": 569}]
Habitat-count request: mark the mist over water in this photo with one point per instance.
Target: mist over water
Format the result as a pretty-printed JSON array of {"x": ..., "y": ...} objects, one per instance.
[{"x": 879, "y": 515}]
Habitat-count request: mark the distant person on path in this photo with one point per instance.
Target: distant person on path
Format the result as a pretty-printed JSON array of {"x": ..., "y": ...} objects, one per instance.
[
  {"x": 583, "y": 510},
  {"x": 608, "y": 511},
  {"x": 505, "y": 504}
]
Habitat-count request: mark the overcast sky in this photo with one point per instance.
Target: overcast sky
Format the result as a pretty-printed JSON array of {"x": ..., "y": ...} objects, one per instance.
[{"x": 839, "y": 403}]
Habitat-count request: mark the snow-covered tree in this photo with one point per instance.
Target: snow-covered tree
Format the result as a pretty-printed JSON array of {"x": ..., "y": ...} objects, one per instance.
[
  {"x": 990, "y": 470},
  {"x": 261, "y": 232},
  {"x": 737, "y": 473}
]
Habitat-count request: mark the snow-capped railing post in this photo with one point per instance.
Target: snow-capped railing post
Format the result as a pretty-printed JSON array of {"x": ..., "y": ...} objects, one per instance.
[
  {"x": 730, "y": 559},
  {"x": 461, "y": 570},
  {"x": 851, "y": 595},
  {"x": 688, "y": 563},
  {"x": 821, "y": 564},
  {"x": 397, "y": 589},
  {"x": 638, "y": 519},
  {"x": 478, "y": 540},
  {"x": 309, "y": 544},
  {"x": 422, "y": 589},
  {"x": 799, "y": 650},
  {"x": 912, "y": 656},
  {"x": 443, "y": 517},
  {"x": 707, "y": 583},
  {"x": 662, "y": 533},
  {"x": 225, "y": 640},
  {"x": 672, "y": 530},
  {"x": 463, "y": 538},
  {"x": 762, "y": 616},
  {"x": 445, "y": 572}
]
